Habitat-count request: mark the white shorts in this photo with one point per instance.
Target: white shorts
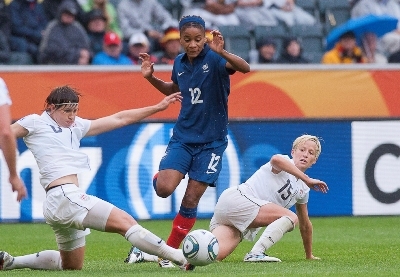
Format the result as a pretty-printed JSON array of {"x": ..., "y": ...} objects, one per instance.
[
  {"x": 238, "y": 210},
  {"x": 65, "y": 208}
]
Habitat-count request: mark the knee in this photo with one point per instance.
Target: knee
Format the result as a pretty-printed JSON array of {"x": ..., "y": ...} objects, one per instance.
[
  {"x": 163, "y": 191},
  {"x": 161, "y": 188},
  {"x": 294, "y": 219}
]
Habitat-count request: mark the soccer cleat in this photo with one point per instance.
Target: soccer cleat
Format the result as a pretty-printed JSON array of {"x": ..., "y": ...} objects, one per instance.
[
  {"x": 187, "y": 267},
  {"x": 259, "y": 257},
  {"x": 6, "y": 260},
  {"x": 135, "y": 255},
  {"x": 165, "y": 263}
]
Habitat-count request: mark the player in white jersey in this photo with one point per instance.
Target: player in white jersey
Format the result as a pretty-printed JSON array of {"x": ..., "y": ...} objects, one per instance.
[
  {"x": 264, "y": 200},
  {"x": 54, "y": 138},
  {"x": 7, "y": 142}
]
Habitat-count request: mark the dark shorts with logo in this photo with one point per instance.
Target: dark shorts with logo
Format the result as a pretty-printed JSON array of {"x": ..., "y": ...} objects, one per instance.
[{"x": 201, "y": 161}]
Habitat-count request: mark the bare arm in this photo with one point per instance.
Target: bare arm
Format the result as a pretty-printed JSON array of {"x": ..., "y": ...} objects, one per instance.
[
  {"x": 166, "y": 88},
  {"x": 279, "y": 163},
  {"x": 306, "y": 230},
  {"x": 128, "y": 117},
  {"x": 8, "y": 146},
  {"x": 233, "y": 62}
]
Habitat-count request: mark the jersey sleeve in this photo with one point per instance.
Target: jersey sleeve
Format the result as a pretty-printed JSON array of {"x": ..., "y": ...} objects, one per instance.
[
  {"x": 284, "y": 156},
  {"x": 28, "y": 122},
  {"x": 174, "y": 79},
  {"x": 223, "y": 68},
  {"x": 83, "y": 125},
  {"x": 304, "y": 200}
]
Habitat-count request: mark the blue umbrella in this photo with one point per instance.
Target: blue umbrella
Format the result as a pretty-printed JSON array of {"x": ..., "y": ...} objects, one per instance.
[{"x": 377, "y": 24}]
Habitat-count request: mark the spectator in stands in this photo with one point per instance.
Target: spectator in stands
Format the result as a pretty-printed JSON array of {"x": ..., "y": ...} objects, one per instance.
[
  {"x": 51, "y": 8},
  {"x": 345, "y": 51},
  {"x": 395, "y": 57},
  {"x": 254, "y": 12},
  {"x": 109, "y": 12},
  {"x": 6, "y": 55},
  {"x": 65, "y": 40},
  {"x": 138, "y": 43},
  {"x": 214, "y": 12},
  {"x": 288, "y": 12},
  {"x": 370, "y": 49},
  {"x": 390, "y": 42},
  {"x": 5, "y": 21},
  {"x": 171, "y": 46},
  {"x": 96, "y": 29},
  {"x": 266, "y": 47},
  {"x": 146, "y": 16},
  {"x": 112, "y": 52},
  {"x": 4, "y": 49},
  {"x": 28, "y": 20},
  {"x": 292, "y": 52}
]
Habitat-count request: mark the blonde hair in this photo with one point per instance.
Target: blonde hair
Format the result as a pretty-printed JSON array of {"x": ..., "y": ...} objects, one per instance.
[{"x": 302, "y": 139}]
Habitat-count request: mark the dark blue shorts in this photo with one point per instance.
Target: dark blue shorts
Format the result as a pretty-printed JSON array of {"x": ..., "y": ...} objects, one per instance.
[{"x": 202, "y": 161}]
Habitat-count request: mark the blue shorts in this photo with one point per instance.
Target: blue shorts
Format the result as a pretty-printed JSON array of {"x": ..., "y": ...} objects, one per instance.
[{"x": 202, "y": 161}]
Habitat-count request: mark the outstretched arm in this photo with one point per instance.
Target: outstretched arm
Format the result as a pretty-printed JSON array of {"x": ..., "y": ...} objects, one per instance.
[
  {"x": 128, "y": 117},
  {"x": 233, "y": 62},
  {"x": 279, "y": 163},
  {"x": 306, "y": 230},
  {"x": 166, "y": 88},
  {"x": 8, "y": 146}
]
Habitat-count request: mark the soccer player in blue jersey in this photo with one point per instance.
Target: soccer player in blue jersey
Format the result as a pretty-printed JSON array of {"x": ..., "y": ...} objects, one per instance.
[{"x": 199, "y": 137}]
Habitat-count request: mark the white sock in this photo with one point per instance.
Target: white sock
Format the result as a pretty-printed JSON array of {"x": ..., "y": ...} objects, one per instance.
[
  {"x": 150, "y": 243},
  {"x": 272, "y": 234},
  {"x": 149, "y": 258},
  {"x": 47, "y": 259}
]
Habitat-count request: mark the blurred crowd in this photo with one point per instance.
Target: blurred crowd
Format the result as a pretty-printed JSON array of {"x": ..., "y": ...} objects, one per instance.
[{"x": 114, "y": 32}]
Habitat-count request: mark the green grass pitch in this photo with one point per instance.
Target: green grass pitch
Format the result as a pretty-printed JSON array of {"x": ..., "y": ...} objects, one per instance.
[{"x": 348, "y": 246}]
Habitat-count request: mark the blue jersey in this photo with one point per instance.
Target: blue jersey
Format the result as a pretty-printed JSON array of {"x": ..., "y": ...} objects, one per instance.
[{"x": 205, "y": 86}]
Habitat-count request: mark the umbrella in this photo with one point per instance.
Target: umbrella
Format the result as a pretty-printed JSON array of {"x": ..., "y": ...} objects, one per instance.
[{"x": 377, "y": 24}]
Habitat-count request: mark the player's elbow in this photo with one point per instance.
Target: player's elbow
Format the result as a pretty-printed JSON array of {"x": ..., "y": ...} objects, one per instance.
[
  {"x": 246, "y": 70},
  {"x": 276, "y": 161},
  {"x": 6, "y": 134}
]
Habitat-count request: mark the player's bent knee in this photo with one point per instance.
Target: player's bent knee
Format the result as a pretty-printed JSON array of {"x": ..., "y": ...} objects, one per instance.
[{"x": 163, "y": 192}]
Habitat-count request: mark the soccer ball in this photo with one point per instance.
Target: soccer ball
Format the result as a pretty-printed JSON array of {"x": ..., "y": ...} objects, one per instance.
[{"x": 200, "y": 247}]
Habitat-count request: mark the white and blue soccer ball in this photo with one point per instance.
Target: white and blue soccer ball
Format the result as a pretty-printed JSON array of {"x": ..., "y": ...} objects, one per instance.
[{"x": 200, "y": 247}]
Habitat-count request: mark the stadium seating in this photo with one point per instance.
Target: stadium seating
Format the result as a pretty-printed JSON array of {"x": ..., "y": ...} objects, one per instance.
[
  {"x": 238, "y": 40},
  {"x": 278, "y": 33},
  {"x": 173, "y": 6},
  {"x": 114, "y": 2},
  {"x": 310, "y": 6},
  {"x": 313, "y": 57},
  {"x": 311, "y": 37},
  {"x": 334, "y": 12}
]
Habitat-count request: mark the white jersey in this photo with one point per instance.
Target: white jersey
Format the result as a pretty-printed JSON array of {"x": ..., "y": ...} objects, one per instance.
[
  {"x": 4, "y": 95},
  {"x": 283, "y": 188},
  {"x": 56, "y": 149}
]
